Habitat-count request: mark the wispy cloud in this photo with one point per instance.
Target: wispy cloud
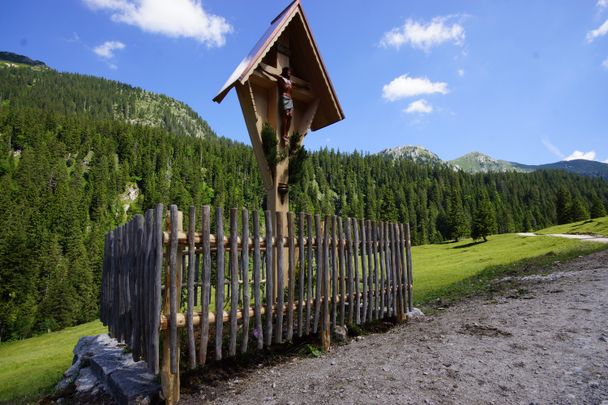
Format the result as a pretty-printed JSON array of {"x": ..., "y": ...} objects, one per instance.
[
  {"x": 106, "y": 50},
  {"x": 405, "y": 86},
  {"x": 602, "y": 4},
  {"x": 173, "y": 18},
  {"x": 605, "y": 64},
  {"x": 577, "y": 154},
  {"x": 598, "y": 32},
  {"x": 461, "y": 72},
  {"x": 552, "y": 148},
  {"x": 423, "y": 35},
  {"x": 419, "y": 106}
]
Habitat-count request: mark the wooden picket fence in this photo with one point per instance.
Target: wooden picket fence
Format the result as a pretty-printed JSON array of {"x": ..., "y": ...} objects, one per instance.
[{"x": 323, "y": 273}]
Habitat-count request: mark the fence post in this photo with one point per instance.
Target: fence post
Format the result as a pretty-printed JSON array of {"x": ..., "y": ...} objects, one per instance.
[{"x": 169, "y": 374}]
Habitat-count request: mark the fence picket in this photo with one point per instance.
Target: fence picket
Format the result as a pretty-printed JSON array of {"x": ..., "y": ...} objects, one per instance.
[
  {"x": 172, "y": 283},
  {"x": 357, "y": 276},
  {"x": 309, "y": 273},
  {"x": 206, "y": 277},
  {"x": 301, "y": 274},
  {"x": 342, "y": 280},
  {"x": 290, "y": 275},
  {"x": 234, "y": 280},
  {"x": 191, "y": 270},
  {"x": 319, "y": 267},
  {"x": 257, "y": 305},
  {"x": 269, "y": 276},
  {"x": 349, "y": 271},
  {"x": 245, "y": 278},
  {"x": 219, "y": 289}
]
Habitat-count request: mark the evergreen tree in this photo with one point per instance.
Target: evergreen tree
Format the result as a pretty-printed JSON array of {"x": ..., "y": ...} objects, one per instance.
[
  {"x": 484, "y": 221},
  {"x": 579, "y": 210},
  {"x": 457, "y": 223},
  {"x": 563, "y": 206},
  {"x": 597, "y": 207}
]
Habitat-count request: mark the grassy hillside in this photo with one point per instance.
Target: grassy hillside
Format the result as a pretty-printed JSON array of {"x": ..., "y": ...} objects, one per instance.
[
  {"x": 597, "y": 226},
  {"x": 32, "y": 367}
]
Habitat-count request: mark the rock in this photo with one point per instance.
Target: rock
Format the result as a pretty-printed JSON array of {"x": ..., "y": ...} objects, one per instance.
[
  {"x": 86, "y": 380},
  {"x": 359, "y": 338},
  {"x": 340, "y": 334},
  {"x": 414, "y": 314},
  {"x": 134, "y": 385},
  {"x": 594, "y": 384}
]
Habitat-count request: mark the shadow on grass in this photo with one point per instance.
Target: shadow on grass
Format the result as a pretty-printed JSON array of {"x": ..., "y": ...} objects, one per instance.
[
  {"x": 469, "y": 244},
  {"x": 484, "y": 283}
]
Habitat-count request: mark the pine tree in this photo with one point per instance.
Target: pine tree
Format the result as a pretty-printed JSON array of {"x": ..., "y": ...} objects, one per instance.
[
  {"x": 597, "y": 207},
  {"x": 484, "y": 221},
  {"x": 457, "y": 223},
  {"x": 579, "y": 210},
  {"x": 563, "y": 206}
]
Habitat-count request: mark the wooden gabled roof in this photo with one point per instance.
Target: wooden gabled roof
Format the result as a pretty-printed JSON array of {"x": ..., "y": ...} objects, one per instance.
[{"x": 309, "y": 63}]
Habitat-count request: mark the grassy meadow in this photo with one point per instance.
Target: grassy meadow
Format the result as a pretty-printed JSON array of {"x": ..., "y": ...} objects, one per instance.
[
  {"x": 597, "y": 226},
  {"x": 449, "y": 271}
]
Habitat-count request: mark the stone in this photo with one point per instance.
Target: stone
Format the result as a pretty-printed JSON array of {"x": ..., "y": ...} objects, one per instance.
[
  {"x": 86, "y": 380},
  {"x": 414, "y": 314},
  {"x": 340, "y": 335},
  {"x": 134, "y": 385}
]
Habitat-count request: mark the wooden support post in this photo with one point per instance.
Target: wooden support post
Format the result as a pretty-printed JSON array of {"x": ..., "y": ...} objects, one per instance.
[{"x": 169, "y": 374}]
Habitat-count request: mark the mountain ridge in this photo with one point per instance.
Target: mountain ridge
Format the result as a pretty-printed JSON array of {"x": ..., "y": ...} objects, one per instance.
[{"x": 478, "y": 162}]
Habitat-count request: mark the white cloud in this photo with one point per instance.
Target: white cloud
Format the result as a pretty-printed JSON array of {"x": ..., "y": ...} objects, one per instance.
[
  {"x": 602, "y": 4},
  {"x": 425, "y": 35},
  {"x": 419, "y": 106},
  {"x": 106, "y": 50},
  {"x": 599, "y": 32},
  {"x": 605, "y": 64},
  {"x": 577, "y": 154},
  {"x": 174, "y": 18},
  {"x": 552, "y": 148},
  {"x": 461, "y": 72},
  {"x": 405, "y": 86}
]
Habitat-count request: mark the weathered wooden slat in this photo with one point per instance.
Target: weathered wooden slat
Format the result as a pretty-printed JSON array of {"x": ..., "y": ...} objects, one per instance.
[
  {"x": 394, "y": 270},
  {"x": 309, "y": 293},
  {"x": 364, "y": 295},
  {"x": 410, "y": 272},
  {"x": 349, "y": 270},
  {"x": 219, "y": 289},
  {"x": 342, "y": 280},
  {"x": 148, "y": 276},
  {"x": 257, "y": 304},
  {"x": 206, "y": 278},
  {"x": 398, "y": 258},
  {"x": 157, "y": 249},
  {"x": 278, "y": 336},
  {"x": 389, "y": 273},
  {"x": 234, "y": 280},
  {"x": 291, "y": 282},
  {"x": 301, "y": 286},
  {"x": 325, "y": 327},
  {"x": 173, "y": 290},
  {"x": 356, "y": 271},
  {"x": 136, "y": 338},
  {"x": 381, "y": 269},
  {"x": 334, "y": 273},
  {"x": 191, "y": 270},
  {"x": 245, "y": 279},
  {"x": 269, "y": 276},
  {"x": 403, "y": 267},
  {"x": 370, "y": 307},
  {"x": 318, "y": 273}
]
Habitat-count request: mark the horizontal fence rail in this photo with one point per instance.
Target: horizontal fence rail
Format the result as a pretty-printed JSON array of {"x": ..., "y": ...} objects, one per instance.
[{"x": 273, "y": 277}]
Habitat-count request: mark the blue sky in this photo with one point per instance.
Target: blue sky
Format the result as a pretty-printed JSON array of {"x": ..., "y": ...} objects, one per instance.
[{"x": 522, "y": 80}]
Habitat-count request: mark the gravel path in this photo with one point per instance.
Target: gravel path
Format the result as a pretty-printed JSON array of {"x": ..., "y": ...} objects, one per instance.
[
  {"x": 545, "y": 342},
  {"x": 586, "y": 238}
]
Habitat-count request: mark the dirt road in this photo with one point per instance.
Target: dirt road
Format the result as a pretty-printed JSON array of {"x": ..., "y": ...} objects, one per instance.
[{"x": 544, "y": 341}]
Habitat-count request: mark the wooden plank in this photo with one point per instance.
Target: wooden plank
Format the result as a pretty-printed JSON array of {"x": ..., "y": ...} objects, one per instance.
[
  {"x": 388, "y": 266},
  {"x": 219, "y": 288},
  {"x": 349, "y": 270},
  {"x": 394, "y": 271},
  {"x": 319, "y": 274},
  {"x": 173, "y": 290},
  {"x": 370, "y": 307},
  {"x": 325, "y": 327},
  {"x": 356, "y": 271},
  {"x": 278, "y": 337},
  {"x": 191, "y": 271},
  {"x": 245, "y": 279},
  {"x": 309, "y": 295},
  {"x": 381, "y": 269},
  {"x": 234, "y": 280},
  {"x": 334, "y": 273},
  {"x": 301, "y": 286},
  {"x": 291, "y": 282},
  {"x": 269, "y": 276},
  {"x": 364, "y": 295},
  {"x": 410, "y": 272},
  {"x": 341, "y": 278},
  {"x": 136, "y": 338},
  {"x": 206, "y": 278},
  {"x": 400, "y": 268},
  {"x": 257, "y": 304},
  {"x": 157, "y": 249}
]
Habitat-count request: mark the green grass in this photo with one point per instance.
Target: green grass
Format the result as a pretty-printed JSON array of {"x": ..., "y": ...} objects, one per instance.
[
  {"x": 597, "y": 226},
  {"x": 451, "y": 271},
  {"x": 30, "y": 368}
]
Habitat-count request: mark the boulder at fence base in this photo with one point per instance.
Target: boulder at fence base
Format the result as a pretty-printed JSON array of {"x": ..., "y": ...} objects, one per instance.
[
  {"x": 414, "y": 314},
  {"x": 102, "y": 370},
  {"x": 340, "y": 335}
]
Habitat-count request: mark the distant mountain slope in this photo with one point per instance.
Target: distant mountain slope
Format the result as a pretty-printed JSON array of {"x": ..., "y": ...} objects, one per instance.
[
  {"x": 68, "y": 93},
  {"x": 416, "y": 153},
  {"x": 476, "y": 162}
]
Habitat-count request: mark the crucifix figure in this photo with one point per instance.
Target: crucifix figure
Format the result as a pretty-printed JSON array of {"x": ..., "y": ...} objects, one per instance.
[{"x": 286, "y": 85}]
